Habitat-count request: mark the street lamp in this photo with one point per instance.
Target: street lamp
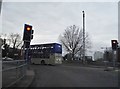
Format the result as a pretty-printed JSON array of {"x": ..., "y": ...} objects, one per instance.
[{"x": 83, "y": 36}]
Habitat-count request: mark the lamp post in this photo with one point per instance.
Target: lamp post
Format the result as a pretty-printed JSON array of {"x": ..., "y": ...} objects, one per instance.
[{"x": 83, "y": 36}]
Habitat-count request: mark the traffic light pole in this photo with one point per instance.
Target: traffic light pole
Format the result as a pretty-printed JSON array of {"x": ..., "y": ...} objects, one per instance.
[
  {"x": 26, "y": 55},
  {"x": 105, "y": 59},
  {"x": 114, "y": 59},
  {"x": 25, "y": 52}
]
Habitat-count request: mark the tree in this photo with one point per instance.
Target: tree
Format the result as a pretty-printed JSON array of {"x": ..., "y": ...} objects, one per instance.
[
  {"x": 72, "y": 40},
  {"x": 12, "y": 41},
  {"x": 15, "y": 40}
]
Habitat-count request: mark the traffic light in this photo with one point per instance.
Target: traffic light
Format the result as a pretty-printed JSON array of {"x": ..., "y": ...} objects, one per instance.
[
  {"x": 27, "y": 33},
  {"x": 114, "y": 44},
  {"x": 32, "y": 34}
]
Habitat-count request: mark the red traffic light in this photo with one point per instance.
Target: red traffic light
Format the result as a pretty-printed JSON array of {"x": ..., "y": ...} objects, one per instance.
[
  {"x": 114, "y": 41},
  {"x": 27, "y": 32},
  {"x": 114, "y": 44},
  {"x": 28, "y": 28}
]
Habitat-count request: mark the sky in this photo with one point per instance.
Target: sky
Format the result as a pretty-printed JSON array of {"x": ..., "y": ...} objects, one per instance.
[{"x": 50, "y": 19}]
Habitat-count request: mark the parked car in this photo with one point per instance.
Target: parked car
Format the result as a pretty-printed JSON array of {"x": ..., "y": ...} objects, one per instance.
[{"x": 7, "y": 59}]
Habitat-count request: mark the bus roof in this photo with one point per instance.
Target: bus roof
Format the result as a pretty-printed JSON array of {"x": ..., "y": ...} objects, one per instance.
[{"x": 45, "y": 44}]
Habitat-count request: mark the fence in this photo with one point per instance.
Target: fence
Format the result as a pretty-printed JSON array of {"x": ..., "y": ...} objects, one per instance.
[{"x": 12, "y": 72}]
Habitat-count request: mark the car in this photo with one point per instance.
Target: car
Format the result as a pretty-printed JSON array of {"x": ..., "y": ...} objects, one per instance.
[{"x": 7, "y": 59}]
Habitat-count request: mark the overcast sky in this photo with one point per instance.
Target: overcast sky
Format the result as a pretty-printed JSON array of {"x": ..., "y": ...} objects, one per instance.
[{"x": 50, "y": 19}]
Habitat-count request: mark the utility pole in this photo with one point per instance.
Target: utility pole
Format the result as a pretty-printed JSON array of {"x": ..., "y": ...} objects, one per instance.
[{"x": 83, "y": 36}]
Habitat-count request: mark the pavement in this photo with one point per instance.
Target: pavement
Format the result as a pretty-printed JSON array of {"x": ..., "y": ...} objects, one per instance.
[
  {"x": 108, "y": 68},
  {"x": 26, "y": 80}
]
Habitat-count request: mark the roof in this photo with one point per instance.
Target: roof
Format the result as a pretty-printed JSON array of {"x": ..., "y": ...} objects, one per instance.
[{"x": 45, "y": 44}]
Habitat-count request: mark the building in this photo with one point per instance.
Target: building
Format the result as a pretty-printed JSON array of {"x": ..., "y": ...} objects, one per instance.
[
  {"x": 108, "y": 55},
  {"x": 98, "y": 56},
  {"x": 88, "y": 59}
]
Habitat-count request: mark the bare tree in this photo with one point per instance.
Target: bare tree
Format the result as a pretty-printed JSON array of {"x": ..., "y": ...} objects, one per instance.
[
  {"x": 72, "y": 40},
  {"x": 15, "y": 40}
]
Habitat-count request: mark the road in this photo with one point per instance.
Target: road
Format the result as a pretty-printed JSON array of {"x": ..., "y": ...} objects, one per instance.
[{"x": 73, "y": 76}]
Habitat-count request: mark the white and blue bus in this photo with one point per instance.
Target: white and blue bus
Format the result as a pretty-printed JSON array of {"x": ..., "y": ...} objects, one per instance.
[{"x": 46, "y": 53}]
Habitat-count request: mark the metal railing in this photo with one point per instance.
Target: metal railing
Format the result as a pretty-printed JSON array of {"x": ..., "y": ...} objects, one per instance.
[{"x": 12, "y": 72}]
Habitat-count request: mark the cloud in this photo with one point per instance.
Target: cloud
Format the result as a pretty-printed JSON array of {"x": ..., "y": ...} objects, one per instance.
[{"x": 49, "y": 19}]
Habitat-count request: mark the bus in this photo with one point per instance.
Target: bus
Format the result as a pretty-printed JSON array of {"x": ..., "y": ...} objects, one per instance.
[{"x": 50, "y": 53}]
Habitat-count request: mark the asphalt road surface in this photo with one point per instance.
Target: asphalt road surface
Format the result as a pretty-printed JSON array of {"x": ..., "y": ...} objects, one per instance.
[{"x": 73, "y": 76}]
